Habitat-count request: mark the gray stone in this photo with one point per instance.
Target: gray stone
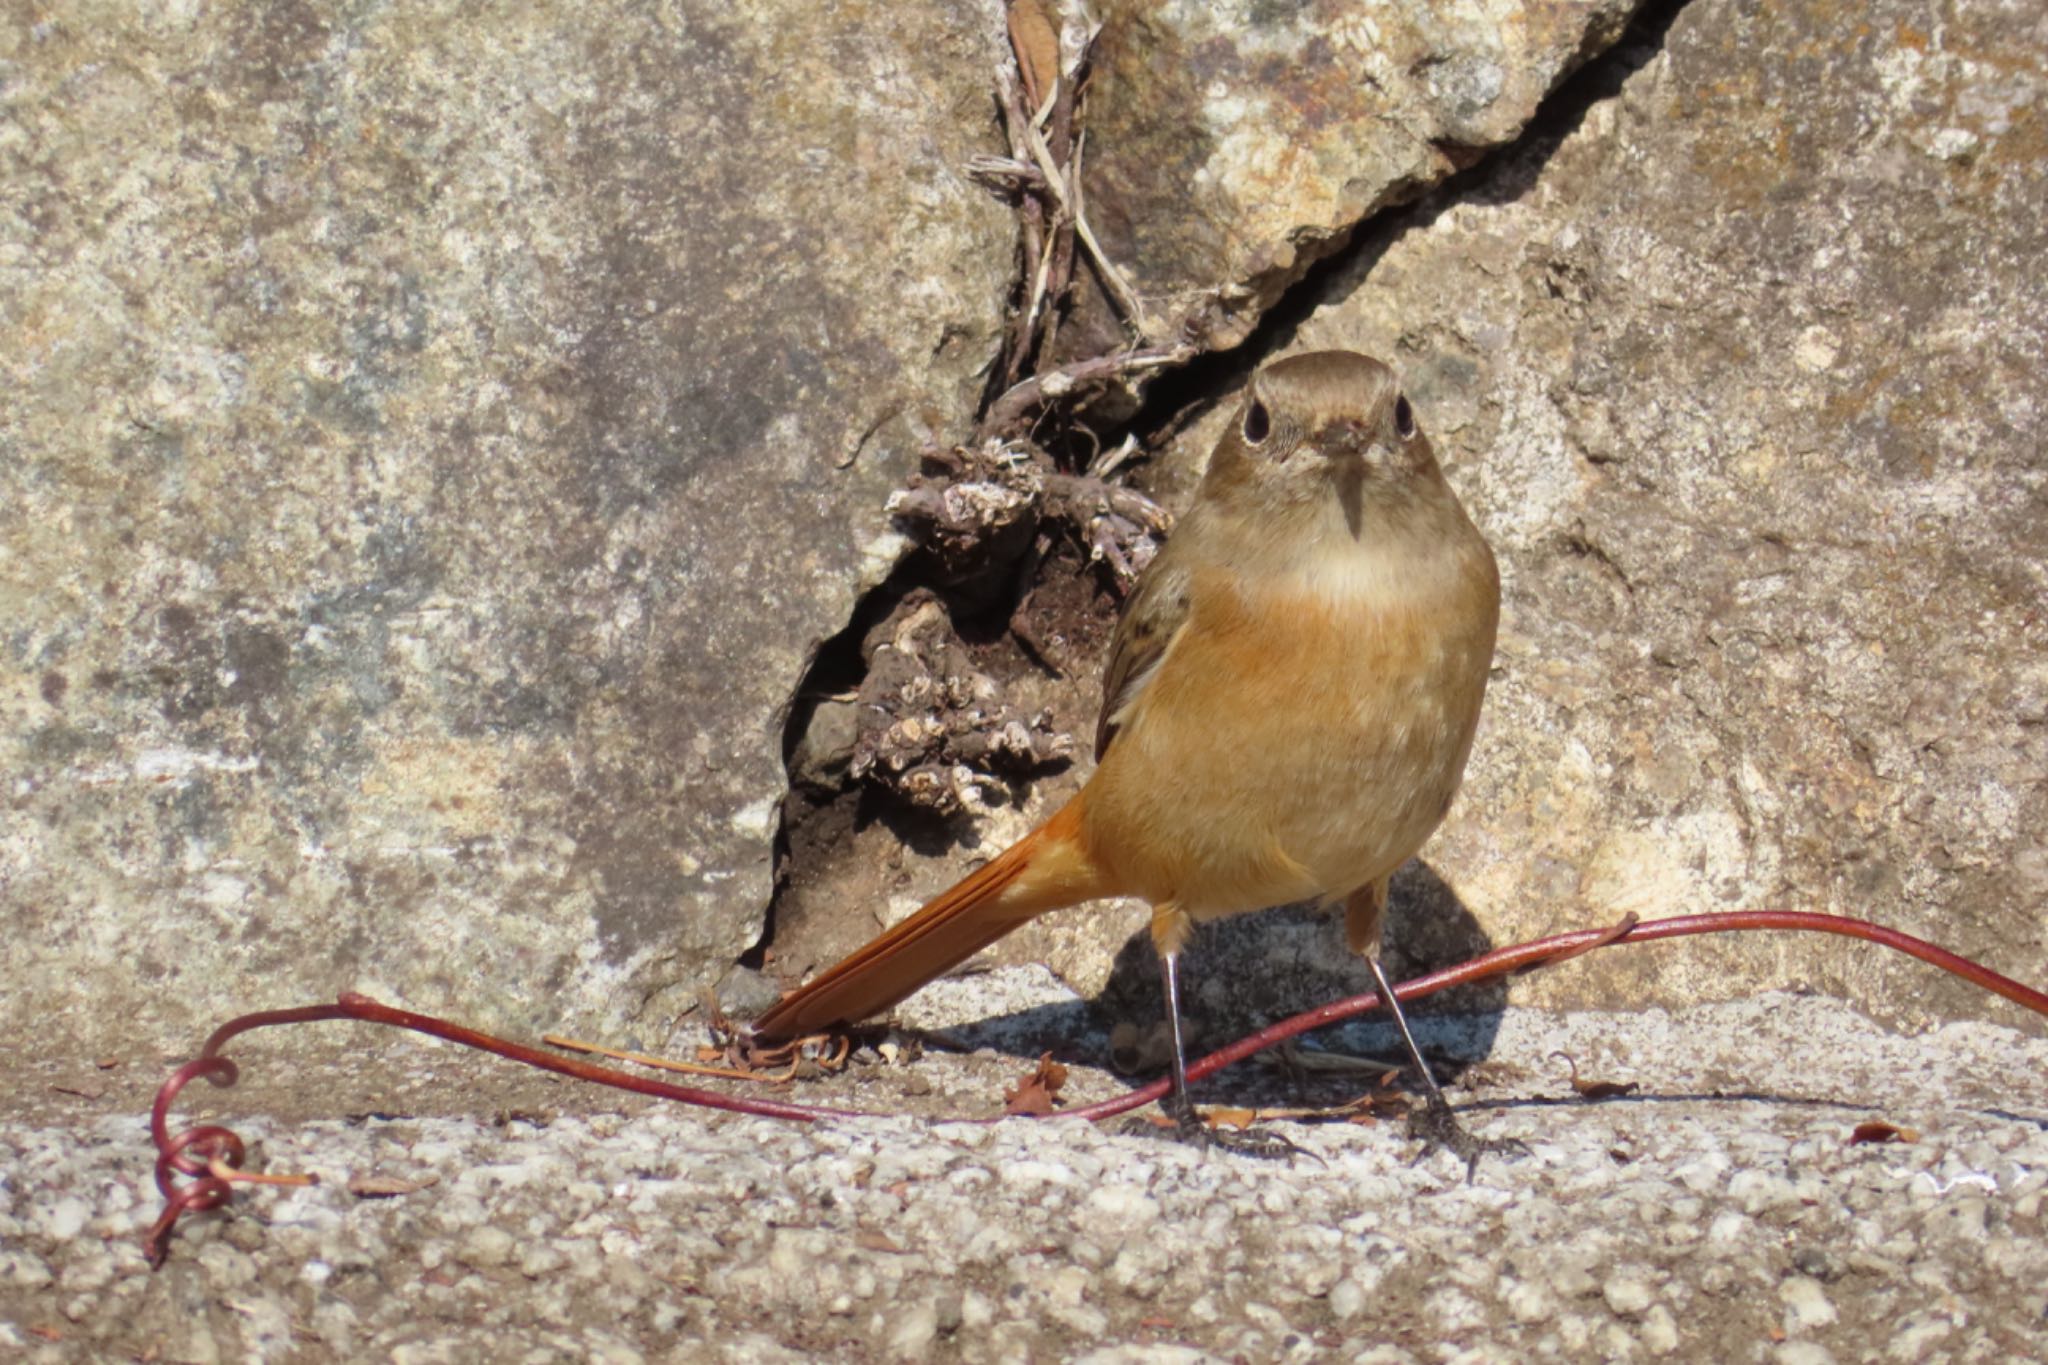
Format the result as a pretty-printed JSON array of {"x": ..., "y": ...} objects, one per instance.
[
  {"x": 434, "y": 443},
  {"x": 1628, "y": 1293},
  {"x": 1807, "y": 1307},
  {"x": 1738, "y": 369},
  {"x": 1233, "y": 145}
]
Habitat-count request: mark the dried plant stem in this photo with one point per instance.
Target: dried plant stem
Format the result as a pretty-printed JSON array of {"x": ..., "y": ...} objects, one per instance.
[{"x": 1008, "y": 414}]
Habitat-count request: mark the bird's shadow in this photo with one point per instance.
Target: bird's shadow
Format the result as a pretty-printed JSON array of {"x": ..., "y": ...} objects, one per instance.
[{"x": 1241, "y": 974}]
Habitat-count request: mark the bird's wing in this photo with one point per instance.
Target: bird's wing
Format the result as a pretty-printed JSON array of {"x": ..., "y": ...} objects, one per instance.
[{"x": 1152, "y": 620}]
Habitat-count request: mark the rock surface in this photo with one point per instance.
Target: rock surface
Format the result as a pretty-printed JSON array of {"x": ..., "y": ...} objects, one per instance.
[
  {"x": 1233, "y": 145},
  {"x": 1740, "y": 370},
  {"x": 434, "y": 443}
]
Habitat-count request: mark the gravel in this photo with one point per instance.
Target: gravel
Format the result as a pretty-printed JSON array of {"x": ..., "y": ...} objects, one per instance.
[{"x": 1719, "y": 1210}]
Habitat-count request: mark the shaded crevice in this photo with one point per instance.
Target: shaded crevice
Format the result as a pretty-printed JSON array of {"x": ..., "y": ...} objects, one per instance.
[
  {"x": 834, "y": 669},
  {"x": 944, "y": 658}
]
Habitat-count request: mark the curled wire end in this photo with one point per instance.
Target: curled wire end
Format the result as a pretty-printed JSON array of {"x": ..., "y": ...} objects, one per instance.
[
  {"x": 204, "y": 1193},
  {"x": 206, "y": 1155},
  {"x": 210, "y": 1156}
]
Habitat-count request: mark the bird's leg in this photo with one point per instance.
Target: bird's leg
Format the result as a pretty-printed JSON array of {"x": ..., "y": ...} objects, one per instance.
[
  {"x": 1188, "y": 1124},
  {"x": 1179, "y": 1107},
  {"x": 1434, "y": 1123}
]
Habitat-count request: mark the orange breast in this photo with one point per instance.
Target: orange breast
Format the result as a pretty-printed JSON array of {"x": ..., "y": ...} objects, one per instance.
[{"x": 1290, "y": 746}]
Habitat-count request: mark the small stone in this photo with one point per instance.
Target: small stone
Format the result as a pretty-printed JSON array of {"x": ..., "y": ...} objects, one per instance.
[
  {"x": 1660, "y": 1331},
  {"x": 916, "y": 1329},
  {"x": 539, "y": 1258},
  {"x": 1806, "y": 1304},
  {"x": 485, "y": 1247},
  {"x": 1803, "y": 1353},
  {"x": 1573, "y": 1281},
  {"x": 23, "y": 1270},
  {"x": 1728, "y": 1228},
  {"x": 1818, "y": 1262},
  {"x": 1529, "y": 1302},
  {"x": 1626, "y": 1294},
  {"x": 1127, "y": 1205},
  {"x": 1915, "y": 1341},
  {"x": 65, "y": 1219}
]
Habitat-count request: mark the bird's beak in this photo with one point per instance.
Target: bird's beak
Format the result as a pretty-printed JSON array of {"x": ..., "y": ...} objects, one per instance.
[
  {"x": 1347, "y": 443},
  {"x": 1349, "y": 446}
]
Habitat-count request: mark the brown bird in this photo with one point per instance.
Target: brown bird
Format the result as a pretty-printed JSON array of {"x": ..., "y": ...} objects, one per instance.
[{"x": 1289, "y": 702}]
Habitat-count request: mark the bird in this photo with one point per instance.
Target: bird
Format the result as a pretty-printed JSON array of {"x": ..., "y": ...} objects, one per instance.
[{"x": 1289, "y": 701}]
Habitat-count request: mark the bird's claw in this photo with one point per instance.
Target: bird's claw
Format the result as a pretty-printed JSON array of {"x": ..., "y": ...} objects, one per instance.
[
  {"x": 1438, "y": 1128},
  {"x": 1190, "y": 1127}
]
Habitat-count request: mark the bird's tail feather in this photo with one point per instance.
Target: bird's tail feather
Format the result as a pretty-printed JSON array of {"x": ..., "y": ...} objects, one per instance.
[{"x": 1045, "y": 870}]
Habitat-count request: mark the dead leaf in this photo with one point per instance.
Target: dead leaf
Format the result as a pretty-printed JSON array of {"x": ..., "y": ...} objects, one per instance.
[
  {"x": 1596, "y": 1090},
  {"x": 874, "y": 1239},
  {"x": 1039, "y": 1093},
  {"x": 1605, "y": 1090},
  {"x": 1877, "y": 1130},
  {"x": 387, "y": 1186},
  {"x": 1233, "y": 1118},
  {"x": 1036, "y": 41},
  {"x": 1369, "y": 1108}
]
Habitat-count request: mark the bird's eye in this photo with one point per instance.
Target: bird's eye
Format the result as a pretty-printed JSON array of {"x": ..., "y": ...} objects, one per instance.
[
  {"x": 1404, "y": 417},
  {"x": 1258, "y": 423}
]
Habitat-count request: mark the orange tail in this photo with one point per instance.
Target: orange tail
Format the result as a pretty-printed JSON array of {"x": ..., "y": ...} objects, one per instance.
[{"x": 1045, "y": 870}]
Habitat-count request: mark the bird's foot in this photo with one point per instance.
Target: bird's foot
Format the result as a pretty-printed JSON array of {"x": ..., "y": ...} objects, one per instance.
[
  {"x": 1190, "y": 1127},
  {"x": 1438, "y": 1127}
]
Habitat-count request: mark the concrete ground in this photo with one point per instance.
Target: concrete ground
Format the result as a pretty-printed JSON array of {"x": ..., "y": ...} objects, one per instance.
[{"x": 1721, "y": 1209}]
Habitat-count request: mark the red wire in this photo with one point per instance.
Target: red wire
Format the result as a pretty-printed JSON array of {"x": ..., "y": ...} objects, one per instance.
[{"x": 1501, "y": 961}]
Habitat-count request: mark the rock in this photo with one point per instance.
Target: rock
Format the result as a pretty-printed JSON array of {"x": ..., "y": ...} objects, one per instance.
[
  {"x": 743, "y": 993},
  {"x": 913, "y": 1331},
  {"x": 488, "y": 1247},
  {"x": 1627, "y": 1294},
  {"x": 1806, "y": 1304},
  {"x": 1660, "y": 1331},
  {"x": 1232, "y": 146},
  {"x": 685, "y": 1234},
  {"x": 1738, "y": 370},
  {"x": 827, "y": 745},
  {"x": 436, "y": 443}
]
